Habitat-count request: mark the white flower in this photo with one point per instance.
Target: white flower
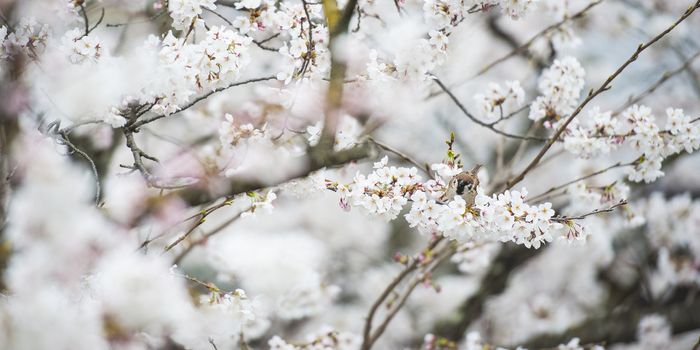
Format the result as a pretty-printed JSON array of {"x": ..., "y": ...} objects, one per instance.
[
  {"x": 81, "y": 47},
  {"x": 114, "y": 118},
  {"x": 573, "y": 344},
  {"x": 185, "y": 12},
  {"x": 446, "y": 171},
  {"x": 647, "y": 170},
  {"x": 28, "y": 37},
  {"x": 592, "y": 137},
  {"x": 385, "y": 191},
  {"x": 564, "y": 37},
  {"x": 515, "y": 9},
  {"x": 654, "y": 332},
  {"x": 382, "y": 163},
  {"x": 346, "y": 135},
  {"x": 242, "y": 23},
  {"x": 248, "y": 4},
  {"x": 498, "y": 102},
  {"x": 258, "y": 202},
  {"x": 561, "y": 86},
  {"x": 231, "y": 133}
]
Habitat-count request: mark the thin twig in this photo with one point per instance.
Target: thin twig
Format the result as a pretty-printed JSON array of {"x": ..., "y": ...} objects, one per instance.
[
  {"x": 66, "y": 141},
  {"x": 511, "y": 114},
  {"x": 202, "y": 216},
  {"x": 542, "y": 33},
  {"x": 664, "y": 77},
  {"x": 444, "y": 253},
  {"x": 145, "y": 121},
  {"x": 595, "y": 212},
  {"x": 99, "y": 21},
  {"x": 269, "y": 38},
  {"x": 479, "y": 122},
  {"x": 412, "y": 266},
  {"x": 404, "y": 156},
  {"x": 205, "y": 237},
  {"x": 83, "y": 11},
  {"x": 218, "y": 15},
  {"x": 588, "y": 176}
]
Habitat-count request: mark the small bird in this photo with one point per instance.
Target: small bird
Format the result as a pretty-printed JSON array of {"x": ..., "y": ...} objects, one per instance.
[{"x": 463, "y": 184}]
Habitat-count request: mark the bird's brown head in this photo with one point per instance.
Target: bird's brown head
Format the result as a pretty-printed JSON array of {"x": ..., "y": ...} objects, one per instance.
[{"x": 466, "y": 182}]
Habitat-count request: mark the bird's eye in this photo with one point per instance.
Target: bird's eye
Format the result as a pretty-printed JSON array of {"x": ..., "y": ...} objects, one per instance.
[{"x": 461, "y": 184}]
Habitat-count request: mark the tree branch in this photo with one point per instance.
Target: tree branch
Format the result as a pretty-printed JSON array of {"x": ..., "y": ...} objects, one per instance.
[{"x": 479, "y": 122}]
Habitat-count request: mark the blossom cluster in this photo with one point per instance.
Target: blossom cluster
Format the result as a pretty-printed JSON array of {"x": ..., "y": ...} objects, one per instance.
[
  {"x": 304, "y": 40},
  {"x": 636, "y": 126},
  {"x": 412, "y": 62},
  {"x": 497, "y": 102},
  {"x": 231, "y": 131},
  {"x": 211, "y": 63},
  {"x": 306, "y": 52},
  {"x": 416, "y": 62},
  {"x": 587, "y": 138},
  {"x": 82, "y": 48},
  {"x": 560, "y": 86},
  {"x": 382, "y": 193},
  {"x": 27, "y": 37},
  {"x": 186, "y": 13},
  {"x": 502, "y": 217},
  {"x": 589, "y": 195}
]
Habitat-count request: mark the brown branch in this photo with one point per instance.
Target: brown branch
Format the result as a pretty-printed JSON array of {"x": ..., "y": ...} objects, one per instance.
[
  {"x": 511, "y": 114},
  {"x": 329, "y": 158},
  {"x": 595, "y": 212},
  {"x": 63, "y": 139},
  {"x": 83, "y": 11},
  {"x": 558, "y": 187},
  {"x": 139, "y": 123},
  {"x": 205, "y": 237},
  {"x": 138, "y": 154},
  {"x": 664, "y": 78},
  {"x": 593, "y": 94},
  {"x": 337, "y": 24},
  {"x": 412, "y": 266},
  {"x": 369, "y": 337},
  {"x": 218, "y": 15},
  {"x": 201, "y": 218},
  {"x": 524, "y": 47}
]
